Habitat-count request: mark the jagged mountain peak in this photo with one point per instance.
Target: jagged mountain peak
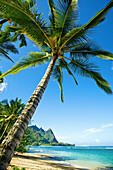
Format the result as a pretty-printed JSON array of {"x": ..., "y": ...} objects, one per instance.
[
  {"x": 46, "y": 135},
  {"x": 41, "y": 129},
  {"x": 34, "y": 127},
  {"x": 49, "y": 130}
]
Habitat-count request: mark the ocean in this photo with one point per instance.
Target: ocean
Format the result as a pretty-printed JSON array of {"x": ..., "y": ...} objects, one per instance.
[{"x": 99, "y": 157}]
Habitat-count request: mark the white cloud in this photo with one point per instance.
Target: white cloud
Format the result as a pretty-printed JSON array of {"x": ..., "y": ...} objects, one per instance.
[
  {"x": 107, "y": 125},
  {"x": 91, "y": 131},
  {"x": 3, "y": 86}
]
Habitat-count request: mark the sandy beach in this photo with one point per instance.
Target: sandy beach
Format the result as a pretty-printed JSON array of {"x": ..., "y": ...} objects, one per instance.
[{"x": 32, "y": 161}]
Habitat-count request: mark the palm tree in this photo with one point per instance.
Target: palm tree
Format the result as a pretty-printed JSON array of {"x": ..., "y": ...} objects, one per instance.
[
  {"x": 60, "y": 35},
  {"x": 9, "y": 113},
  {"x": 6, "y": 45},
  {"x": 6, "y": 41}
]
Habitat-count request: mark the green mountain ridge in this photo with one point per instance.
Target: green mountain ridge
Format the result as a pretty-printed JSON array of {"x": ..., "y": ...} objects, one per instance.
[
  {"x": 45, "y": 137},
  {"x": 38, "y": 136}
]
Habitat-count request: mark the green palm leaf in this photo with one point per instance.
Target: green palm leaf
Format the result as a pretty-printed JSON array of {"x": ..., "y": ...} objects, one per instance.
[
  {"x": 6, "y": 45},
  {"x": 6, "y": 119},
  {"x": 57, "y": 75},
  {"x": 52, "y": 16},
  {"x": 16, "y": 34},
  {"x": 23, "y": 41},
  {"x": 1, "y": 80},
  {"x": 90, "y": 49},
  {"x": 5, "y": 54},
  {"x": 66, "y": 16},
  {"x": 33, "y": 60},
  {"x": 64, "y": 64},
  {"x": 102, "y": 83},
  {"x": 76, "y": 33},
  {"x": 31, "y": 23},
  {"x": 87, "y": 69},
  {"x": 37, "y": 58}
]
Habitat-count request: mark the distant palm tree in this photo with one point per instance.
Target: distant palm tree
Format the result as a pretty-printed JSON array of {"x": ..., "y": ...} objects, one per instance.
[
  {"x": 60, "y": 35},
  {"x": 6, "y": 45},
  {"x": 6, "y": 42},
  {"x": 9, "y": 113}
]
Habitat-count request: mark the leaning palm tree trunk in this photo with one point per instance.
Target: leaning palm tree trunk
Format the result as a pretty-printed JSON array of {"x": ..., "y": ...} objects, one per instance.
[
  {"x": 2, "y": 137},
  {"x": 13, "y": 138}
]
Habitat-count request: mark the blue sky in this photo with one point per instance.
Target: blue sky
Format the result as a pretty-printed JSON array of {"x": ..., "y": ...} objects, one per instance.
[{"x": 86, "y": 116}]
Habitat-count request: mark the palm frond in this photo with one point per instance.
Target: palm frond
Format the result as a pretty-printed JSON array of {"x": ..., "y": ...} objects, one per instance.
[
  {"x": 23, "y": 40},
  {"x": 102, "y": 83},
  {"x": 66, "y": 16},
  {"x": 4, "y": 36},
  {"x": 87, "y": 69},
  {"x": 99, "y": 17},
  {"x": 64, "y": 50},
  {"x": 46, "y": 48},
  {"x": 80, "y": 37},
  {"x": 8, "y": 118},
  {"x": 31, "y": 23},
  {"x": 16, "y": 34},
  {"x": 80, "y": 31},
  {"x": 6, "y": 45},
  {"x": 1, "y": 80},
  {"x": 52, "y": 15},
  {"x": 82, "y": 67},
  {"x": 5, "y": 54},
  {"x": 90, "y": 49},
  {"x": 4, "y": 102},
  {"x": 64, "y": 64},
  {"x": 57, "y": 75},
  {"x": 35, "y": 58},
  {"x": 9, "y": 47}
]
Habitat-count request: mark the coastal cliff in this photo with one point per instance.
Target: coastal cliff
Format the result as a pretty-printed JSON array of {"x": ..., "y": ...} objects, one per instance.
[{"x": 39, "y": 136}]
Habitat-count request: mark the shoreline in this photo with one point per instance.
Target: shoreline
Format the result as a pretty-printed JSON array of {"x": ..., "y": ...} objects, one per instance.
[{"x": 35, "y": 161}]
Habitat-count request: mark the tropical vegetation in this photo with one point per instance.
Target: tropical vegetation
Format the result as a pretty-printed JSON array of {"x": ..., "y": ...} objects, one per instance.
[
  {"x": 63, "y": 43},
  {"x": 6, "y": 45},
  {"x": 9, "y": 112},
  {"x": 6, "y": 41},
  {"x": 16, "y": 168}
]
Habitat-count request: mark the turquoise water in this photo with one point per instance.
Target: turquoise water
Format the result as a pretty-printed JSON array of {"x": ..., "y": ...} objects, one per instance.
[{"x": 90, "y": 157}]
